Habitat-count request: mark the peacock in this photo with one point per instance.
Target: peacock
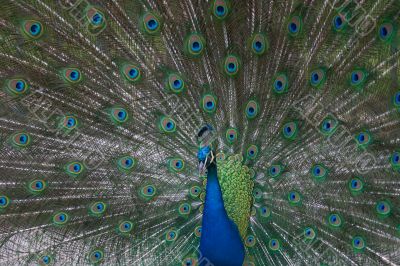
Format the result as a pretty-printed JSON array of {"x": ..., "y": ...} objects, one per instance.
[{"x": 200, "y": 132}]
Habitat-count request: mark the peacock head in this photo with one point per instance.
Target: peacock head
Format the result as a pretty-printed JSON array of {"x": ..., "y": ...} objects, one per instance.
[{"x": 205, "y": 138}]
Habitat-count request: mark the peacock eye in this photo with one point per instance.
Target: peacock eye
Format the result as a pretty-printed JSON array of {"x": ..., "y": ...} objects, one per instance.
[
  {"x": 176, "y": 165},
  {"x": 97, "y": 208},
  {"x": 259, "y": 44},
  {"x": 209, "y": 103},
  {"x": 21, "y": 140},
  {"x": 395, "y": 161},
  {"x": 147, "y": 192},
  {"x": 318, "y": 78},
  {"x": 358, "y": 78},
  {"x": 252, "y": 152},
  {"x": 339, "y": 22},
  {"x": 274, "y": 245},
  {"x": 171, "y": 235},
  {"x": 386, "y": 31},
  {"x": 37, "y": 186},
  {"x": 232, "y": 65},
  {"x": 294, "y": 198},
  {"x": 396, "y": 100},
  {"x": 118, "y": 115},
  {"x": 319, "y": 172},
  {"x": 358, "y": 243},
  {"x": 281, "y": 83},
  {"x": 69, "y": 122},
  {"x": 96, "y": 256},
  {"x": 295, "y": 25},
  {"x": 72, "y": 75},
  {"x": 175, "y": 83},
  {"x": 33, "y": 29},
  {"x": 125, "y": 227},
  {"x": 60, "y": 218},
  {"x": 250, "y": 241},
  {"x": 151, "y": 23},
  {"x": 335, "y": 220},
  {"x": 4, "y": 202},
  {"x": 383, "y": 208},
  {"x": 17, "y": 87},
  {"x": 131, "y": 73},
  {"x": 126, "y": 163},
  {"x": 167, "y": 124},
  {"x": 252, "y": 109},
  {"x": 290, "y": 130},
  {"x": 195, "y": 44},
  {"x": 220, "y": 9},
  {"x": 184, "y": 209},
  {"x": 194, "y": 191}
]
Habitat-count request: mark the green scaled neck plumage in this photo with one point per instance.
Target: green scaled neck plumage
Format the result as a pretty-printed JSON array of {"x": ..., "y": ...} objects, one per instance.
[{"x": 237, "y": 186}]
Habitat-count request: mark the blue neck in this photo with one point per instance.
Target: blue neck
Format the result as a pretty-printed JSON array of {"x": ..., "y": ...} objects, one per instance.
[{"x": 220, "y": 242}]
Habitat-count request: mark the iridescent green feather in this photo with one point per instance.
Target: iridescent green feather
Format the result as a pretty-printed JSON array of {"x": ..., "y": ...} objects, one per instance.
[{"x": 237, "y": 187}]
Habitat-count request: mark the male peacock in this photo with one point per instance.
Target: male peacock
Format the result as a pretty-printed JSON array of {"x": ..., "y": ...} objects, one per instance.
[{"x": 215, "y": 132}]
